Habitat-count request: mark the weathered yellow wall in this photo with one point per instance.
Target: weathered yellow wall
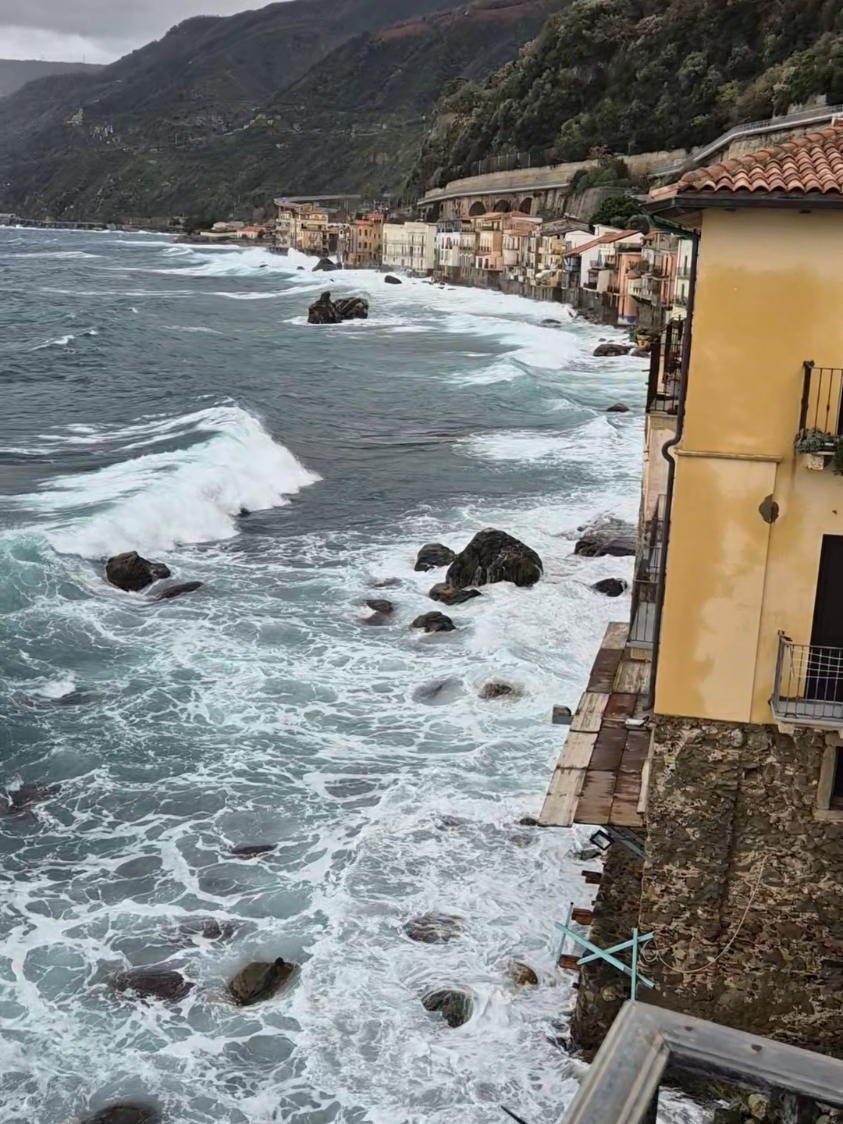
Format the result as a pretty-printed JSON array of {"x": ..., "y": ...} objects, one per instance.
[{"x": 769, "y": 296}]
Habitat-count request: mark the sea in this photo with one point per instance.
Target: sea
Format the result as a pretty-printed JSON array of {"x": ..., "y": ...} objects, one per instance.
[{"x": 172, "y": 399}]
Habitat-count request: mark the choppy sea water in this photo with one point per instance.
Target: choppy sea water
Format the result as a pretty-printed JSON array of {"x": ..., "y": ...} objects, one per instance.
[{"x": 150, "y": 392}]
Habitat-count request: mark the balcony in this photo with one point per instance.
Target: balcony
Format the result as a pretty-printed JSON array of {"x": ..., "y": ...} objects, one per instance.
[
  {"x": 647, "y": 584},
  {"x": 808, "y": 689},
  {"x": 820, "y": 433}
]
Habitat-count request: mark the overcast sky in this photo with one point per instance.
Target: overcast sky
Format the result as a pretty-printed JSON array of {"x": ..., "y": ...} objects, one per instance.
[{"x": 96, "y": 30}]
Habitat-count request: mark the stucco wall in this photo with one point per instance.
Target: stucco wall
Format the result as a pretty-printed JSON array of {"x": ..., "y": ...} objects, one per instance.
[{"x": 769, "y": 297}]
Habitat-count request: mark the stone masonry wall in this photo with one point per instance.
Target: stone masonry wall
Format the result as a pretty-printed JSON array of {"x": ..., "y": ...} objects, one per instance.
[{"x": 743, "y": 881}]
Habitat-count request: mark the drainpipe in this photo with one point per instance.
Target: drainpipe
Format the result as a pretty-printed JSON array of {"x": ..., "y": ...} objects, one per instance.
[{"x": 672, "y": 228}]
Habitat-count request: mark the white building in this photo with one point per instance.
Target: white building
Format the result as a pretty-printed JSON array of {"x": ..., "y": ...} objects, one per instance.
[{"x": 410, "y": 246}]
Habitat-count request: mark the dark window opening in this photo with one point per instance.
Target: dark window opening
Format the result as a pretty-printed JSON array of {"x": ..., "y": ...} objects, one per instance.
[{"x": 837, "y": 784}]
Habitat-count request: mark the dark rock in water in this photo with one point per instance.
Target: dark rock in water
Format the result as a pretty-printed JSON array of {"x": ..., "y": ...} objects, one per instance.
[
  {"x": 450, "y": 596},
  {"x": 433, "y": 928},
  {"x": 379, "y": 605},
  {"x": 325, "y": 265},
  {"x": 434, "y": 622},
  {"x": 449, "y": 822},
  {"x": 377, "y": 620},
  {"x": 390, "y": 280},
  {"x": 494, "y": 556},
  {"x": 522, "y": 974},
  {"x": 439, "y": 693},
  {"x": 432, "y": 556},
  {"x": 260, "y": 981},
  {"x": 124, "y": 1113},
  {"x": 552, "y": 323},
  {"x": 608, "y": 538},
  {"x": 327, "y": 311},
  {"x": 588, "y": 854},
  {"x": 132, "y": 573},
  {"x": 243, "y": 512},
  {"x": 252, "y": 850},
  {"x": 20, "y": 799},
  {"x": 209, "y": 929},
  {"x": 640, "y": 353},
  {"x": 176, "y": 591},
  {"x": 455, "y": 1007},
  {"x": 300, "y": 268},
  {"x": 562, "y": 716},
  {"x": 618, "y": 408},
  {"x": 528, "y": 821},
  {"x": 603, "y": 349},
  {"x": 497, "y": 689},
  {"x": 387, "y": 583},
  {"x": 352, "y": 308},
  {"x": 612, "y": 587},
  {"x": 152, "y": 983}
]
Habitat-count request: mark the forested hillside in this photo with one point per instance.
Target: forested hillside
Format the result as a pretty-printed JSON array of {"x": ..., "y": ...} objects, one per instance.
[{"x": 641, "y": 75}]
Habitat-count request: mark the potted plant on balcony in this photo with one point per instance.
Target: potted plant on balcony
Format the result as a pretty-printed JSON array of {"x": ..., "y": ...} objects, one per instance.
[{"x": 813, "y": 447}]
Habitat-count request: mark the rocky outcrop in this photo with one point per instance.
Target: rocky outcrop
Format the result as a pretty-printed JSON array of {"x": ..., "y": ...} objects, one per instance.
[
  {"x": 497, "y": 689},
  {"x": 252, "y": 850},
  {"x": 604, "y": 349},
  {"x": 618, "y": 408},
  {"x": 455, "y": 1007},
  {"x": 434, "y": 622},
  {"x": 432, "y": 556},
  {"x": 125, "y": 1113},
  {"x": 325, "y": 265},
  {"x": 327, "y": 311},
  {"x": 521, "y": 974},
  {"x": 132, "y": 573},
  {"x": 448, "y": 595},
  {"x": 607, "y": 537},
  {"x": 381, "y": 605},
  {"x": 611, "y": 587},
  {"x": 152, "y": 983},
  {"x": 260, "y": 981},
  {"x": 434, "y": 928},
  {"x": 494, "y": 556},
  {"x": 176, "y": 591},
  {"x": 390, "y": 280}
]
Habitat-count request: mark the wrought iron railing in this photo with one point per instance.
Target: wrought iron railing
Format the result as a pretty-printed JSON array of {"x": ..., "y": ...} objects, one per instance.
[
  {"x": 808, "y": 689},
  {"x": 822, "y": 398},
  {"x": 646, "y": 586}
]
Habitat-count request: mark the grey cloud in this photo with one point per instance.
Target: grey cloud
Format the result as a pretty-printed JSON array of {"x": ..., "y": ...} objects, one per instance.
[{"x": 118, "y": 20}]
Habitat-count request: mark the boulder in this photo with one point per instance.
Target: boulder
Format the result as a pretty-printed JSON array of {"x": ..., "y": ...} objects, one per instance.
[
  {"x": 434, "y": 622},
  {"x": 604, "y": 349},
  {"x": 252, "y": 850},
  {"x": 433, "y": 928},
  {"x": 260, "y": 981},
  {"x": 432, "y": 556},
  {"x": 528, "y": 821},
  {"x": 455, "y": 1007},
  {"x": 497, "y": 689},
  {"x": 640, "y": 353},
  {"x": 124, "y": 1113},
  {"x": 323, "y": 311},
  {"x": 494, "y": 556},
  {"x": 587, "y": 854},
  {"x": 607, "y": 537},
  {"x": 324, "y": 265},
  {"x": 450, "y": 596},
  {"x": 562, "y": 716},
  {"x": 132, "y": 573},
  {"x": 176, "y": 591},
  {"x": 152, "y": 983},
  {"x": 390, "y": 280},
  {"x": 521, "y": 974},
  {"x": 618, "y": 408},
  {"x": 612, "y": 587},
  {"x": 377, "y": 620},
  {"x": 352, "y": 308},
  {"x": 381, "y": 605}
]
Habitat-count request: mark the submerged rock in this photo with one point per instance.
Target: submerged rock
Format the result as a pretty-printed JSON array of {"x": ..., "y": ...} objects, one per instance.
[
  {"x": 208, "y": 928},
  {"x": 434, "y": 622},
  {"x": 640, "y": 353},
  {"x": 381, "y": 605},
  {"x": 448, "y": 595},
  {"x": 455, "y": 1007},
  {"x": 132, "y": 573},
  {"x": 124, "y": 1113},
  {"x": 20, "y": 799},
  {"x": 390, "y": 280},
  {"x": 152, "y": 983},
  {"x": 528, "y": 821},
  {"x": 498, "y": 689},
  {"x": 176, "y": 591},
  {"x": 252, "y": 850},
  {"x": 604, "y": 349},
  {"x": 608, "y": 537},
  {"x": 439, "y": 693},
  {"x": 612, "y": 587},
  {"x": 434, "y": 928},
  {"x": 387, "y": 583},
  {"x": 521, "y": 974},
  {"x": 377, "y": 620},
  {"x": 260, "y": 981},
  {"x": 618, "y": 408},
  {"x": 494, "y": 556},
  {"x": 432, "y": 556}
]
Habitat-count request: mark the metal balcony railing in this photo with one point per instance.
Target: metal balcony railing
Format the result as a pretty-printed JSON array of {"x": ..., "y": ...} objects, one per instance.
[
  {"x": 646, "y": 586},
  {"x": 808, "y": 690},
  {"x": 822, "y": 397}
]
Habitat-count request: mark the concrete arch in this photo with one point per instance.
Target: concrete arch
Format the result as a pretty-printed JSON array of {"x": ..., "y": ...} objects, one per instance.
[
  {"x": 502, "y": 207},
  {"x": 477, "y": 209},
  {"x": 526, "y": 205}
]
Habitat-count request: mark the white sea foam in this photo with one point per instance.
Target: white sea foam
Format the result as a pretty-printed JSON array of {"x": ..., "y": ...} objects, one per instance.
[{"x": 60, "y": 341}]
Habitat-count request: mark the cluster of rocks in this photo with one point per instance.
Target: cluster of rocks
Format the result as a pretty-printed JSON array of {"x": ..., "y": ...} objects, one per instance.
[
  {"x": 608, "y": 537},
  {"x": 328, "y": 311},
  {"x": 256, "y": 982},
  {"x": 611, "y": 349},
  {"x": 133, "y": 574}
]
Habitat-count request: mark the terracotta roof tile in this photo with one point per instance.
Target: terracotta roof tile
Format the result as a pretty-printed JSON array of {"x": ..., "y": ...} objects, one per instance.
[{"x": 809, "y": 164}]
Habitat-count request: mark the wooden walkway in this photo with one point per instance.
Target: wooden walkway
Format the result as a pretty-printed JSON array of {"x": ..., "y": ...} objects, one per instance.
[{"x": 600, "y": 778}]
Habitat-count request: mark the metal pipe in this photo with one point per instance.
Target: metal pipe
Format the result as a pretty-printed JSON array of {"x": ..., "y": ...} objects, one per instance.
[{"x": 650, "y": 700}]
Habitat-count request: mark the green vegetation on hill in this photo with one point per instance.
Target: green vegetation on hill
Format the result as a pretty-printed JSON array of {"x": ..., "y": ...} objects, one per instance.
[{"x": 641, "y": 75}]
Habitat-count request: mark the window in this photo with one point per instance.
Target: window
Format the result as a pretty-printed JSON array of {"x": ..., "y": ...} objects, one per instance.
[
  {"x": 830, "y": 788},
  {"x": 836, "y": 800}
]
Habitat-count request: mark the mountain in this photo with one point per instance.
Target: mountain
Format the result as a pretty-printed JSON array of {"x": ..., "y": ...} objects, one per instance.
[
  {"x": 641, "y": 75},
  {"x": 15, "y": 73},
  {"x": 306, "y": 96}
]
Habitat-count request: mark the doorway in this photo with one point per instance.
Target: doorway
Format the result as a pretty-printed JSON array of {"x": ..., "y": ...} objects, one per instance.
[{"x": 825, "y": 670}]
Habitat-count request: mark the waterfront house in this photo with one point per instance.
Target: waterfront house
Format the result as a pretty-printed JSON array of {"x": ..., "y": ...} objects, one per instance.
[
  {"x": 655, "y": 293},
  {"x": 708, "y": 746},
  {"x": 410, "y": 246},
  {"x": 362, "y": 245}
]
